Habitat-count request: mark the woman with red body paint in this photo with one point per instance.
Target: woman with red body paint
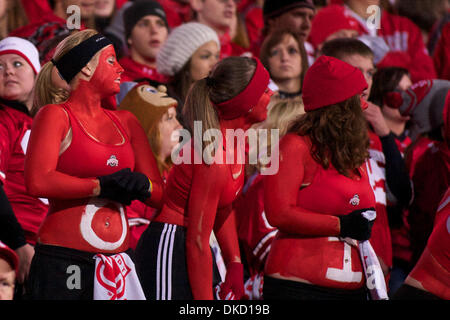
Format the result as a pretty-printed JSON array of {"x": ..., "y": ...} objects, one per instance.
[
  {"x": 88, "y": 162},
  {"x": 173, "y": 256}
]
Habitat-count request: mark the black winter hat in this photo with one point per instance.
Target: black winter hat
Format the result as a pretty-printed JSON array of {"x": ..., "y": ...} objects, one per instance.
[
  {"x": 139, "y": 9},
  {"x": 273, "y": 8}
]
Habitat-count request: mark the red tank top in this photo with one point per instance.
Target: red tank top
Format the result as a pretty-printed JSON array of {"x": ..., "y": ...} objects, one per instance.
[
  {"x": 87, "y": 158},
  {"x": 324, "y": 261},
  {"x": 90, "y": 224}
]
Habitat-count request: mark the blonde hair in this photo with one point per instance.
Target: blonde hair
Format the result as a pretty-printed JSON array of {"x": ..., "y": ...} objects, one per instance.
[
  {"x": 281, "y": 115},
  {"x": 45, "y": 91}
]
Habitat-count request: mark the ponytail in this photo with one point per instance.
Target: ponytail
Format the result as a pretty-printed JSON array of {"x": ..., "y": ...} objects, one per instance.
[
  {"x": 45, "y": 91},
  {"x": 198, "y": 107}
]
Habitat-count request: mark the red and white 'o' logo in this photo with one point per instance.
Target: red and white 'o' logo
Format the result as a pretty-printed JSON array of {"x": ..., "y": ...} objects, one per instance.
[{"x": 88, "y": 233}]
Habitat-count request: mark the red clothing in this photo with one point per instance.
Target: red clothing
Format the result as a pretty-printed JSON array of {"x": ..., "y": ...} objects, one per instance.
[
  {"x": 200, "y": 196},
  {"x": 15, "y": 129},
  {"x": 307, "y": 245},
  {"x": 179, "y": 183},
  {"x": 229, "y": 48},
  {"x": 139, "y": 217},
  {"x": 401, "y": 34},
  {"x": 177, "y": 12},
  {"x": 134, "y": 70},
  {"x": 442, "y": 54},
  {"x": 381, "y": 234},
  {"x": 433, "y": 268},
  {"x": 88, "y": 158},
  {"x": 43, "y": 25},
  {"x": 254, "y": 231},
  {"x": 254, "y": 23},
  {"x": 431, "y": 178}
]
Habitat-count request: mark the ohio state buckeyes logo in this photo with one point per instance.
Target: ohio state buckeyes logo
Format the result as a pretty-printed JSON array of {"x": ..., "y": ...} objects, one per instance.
[
  {"x": 111, "y": 275},
  {"x": 89, "y": 234},
  {"x": 112, "y": 161},
  {"x": 355, "y": 200}
]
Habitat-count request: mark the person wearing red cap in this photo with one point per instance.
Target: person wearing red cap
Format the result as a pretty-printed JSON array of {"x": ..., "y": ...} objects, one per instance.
[
  {"x": 19, "y": 67},
  {"x": 9, "y": 267},
  {"x": 388, "y": 172},
  {"x": 173, "y": 257},
  {"x": 330, "y": 23},
  {"x": 401, "y": 35},
  {"x": 323, "y": 156}
]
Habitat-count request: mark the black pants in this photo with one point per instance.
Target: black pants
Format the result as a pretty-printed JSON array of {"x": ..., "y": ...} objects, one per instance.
[
  {"x": 161, "y": 263},
  {"x": 407, "y": 292},
  {"x": 279, "y": 289},
  {"x": 58, "y": 273}
]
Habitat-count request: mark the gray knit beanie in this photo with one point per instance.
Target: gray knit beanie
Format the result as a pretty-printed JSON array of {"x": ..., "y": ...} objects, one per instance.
[{"x": 181, "y": 44}]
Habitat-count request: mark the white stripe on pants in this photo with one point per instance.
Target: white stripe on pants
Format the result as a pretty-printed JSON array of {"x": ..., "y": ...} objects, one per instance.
[{"x": 164, "y": 263}]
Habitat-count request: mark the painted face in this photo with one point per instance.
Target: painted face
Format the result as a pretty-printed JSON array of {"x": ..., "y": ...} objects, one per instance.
[
  {"x": 259, "y": 112},
  {"x": 16, "y": 78},
  {"x": 203, "y": 59},
  {"x": 106, "y": 77},
  {"x": 285, "y": 61}
]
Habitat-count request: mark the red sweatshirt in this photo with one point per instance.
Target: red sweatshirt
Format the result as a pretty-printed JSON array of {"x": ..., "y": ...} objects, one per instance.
[
  {"x": 402, "y": 35},
  {"x": 15, "y": 127},
  {"x": 134, "y": 70}
]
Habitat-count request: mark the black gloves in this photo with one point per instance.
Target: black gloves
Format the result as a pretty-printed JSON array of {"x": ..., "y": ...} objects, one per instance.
[
  {"x": 124, "y": 186},
  {"x": 354, "y": 225}
]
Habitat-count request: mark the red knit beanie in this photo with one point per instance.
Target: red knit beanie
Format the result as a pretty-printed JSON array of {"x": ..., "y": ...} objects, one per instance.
[
  {"x": 329, "y": 81},
  {"x": 329, "y": 20}
]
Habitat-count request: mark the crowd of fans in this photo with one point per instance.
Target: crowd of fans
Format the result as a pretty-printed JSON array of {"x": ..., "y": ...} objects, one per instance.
[{"x": 358, "y": 89}]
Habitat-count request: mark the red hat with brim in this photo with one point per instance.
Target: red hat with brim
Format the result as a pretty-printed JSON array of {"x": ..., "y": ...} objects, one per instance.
[
  {"x": 10, "y": 256},
  {"x": 329, "y": 81}
]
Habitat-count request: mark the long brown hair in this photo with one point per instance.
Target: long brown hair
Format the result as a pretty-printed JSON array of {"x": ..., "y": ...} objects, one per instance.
[
  {"x": 338, "y": 133},
  {"x": 277, "y": 36}
]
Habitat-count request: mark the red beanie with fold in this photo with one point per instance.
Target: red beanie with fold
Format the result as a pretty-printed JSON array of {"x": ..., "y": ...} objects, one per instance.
[
  {"x": 330, "y": 20},
  {"x": 329, "y": 81}
]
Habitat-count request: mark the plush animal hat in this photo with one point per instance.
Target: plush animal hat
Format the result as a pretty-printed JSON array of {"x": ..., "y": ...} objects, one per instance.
[{"x": 148, "y": 104}]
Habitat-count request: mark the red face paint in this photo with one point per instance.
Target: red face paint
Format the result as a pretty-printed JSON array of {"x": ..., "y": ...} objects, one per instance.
[
  {"x": 259, "y": 112},
  {"x": 106, "y": 77},
  {"x": 364, "y": 104}
]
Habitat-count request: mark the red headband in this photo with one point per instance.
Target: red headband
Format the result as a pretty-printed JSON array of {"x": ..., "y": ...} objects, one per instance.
[{"x": 248, "y": 98}]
